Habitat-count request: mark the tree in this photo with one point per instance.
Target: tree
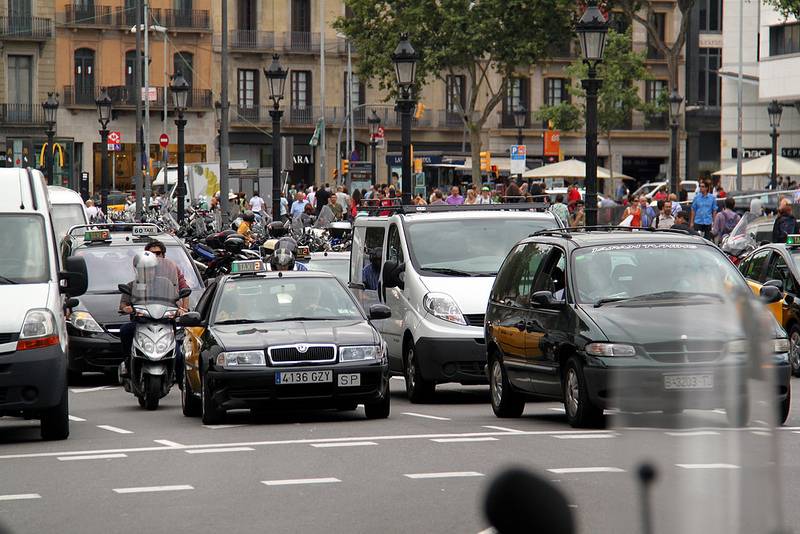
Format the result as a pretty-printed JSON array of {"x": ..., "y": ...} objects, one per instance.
[
  {"x": 787, "y": 8},
  {"x": 474, "y": 38}
]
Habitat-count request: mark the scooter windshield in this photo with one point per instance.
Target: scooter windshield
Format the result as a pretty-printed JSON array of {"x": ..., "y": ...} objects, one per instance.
[{"x": 155, "y": 287}]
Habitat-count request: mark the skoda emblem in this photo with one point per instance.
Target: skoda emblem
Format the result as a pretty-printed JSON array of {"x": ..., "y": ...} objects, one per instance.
[{"x": 302, "y": 349}]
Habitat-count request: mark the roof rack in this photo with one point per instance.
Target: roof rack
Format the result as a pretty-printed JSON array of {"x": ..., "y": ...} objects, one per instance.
[
  {"x": 446, "y": 208},
  {"x": 111, "y": 227},
  {"x": 567, "y": 232}
]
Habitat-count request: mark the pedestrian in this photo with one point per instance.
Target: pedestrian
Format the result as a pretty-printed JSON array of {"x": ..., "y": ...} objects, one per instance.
[
  {"x": 704, "y": 206},
  {"x": 725, "y": 221},
  {"x": 355, "y": 203},
  {"x": 419, "y": 201},
  {"x": 93, "y": 213},
  {"x": 559, "y": 209},
  {"x": 573, "y": 196},
  {"x": 322, "y": 197},
  {"x": 486, "y": 196},
  {"x": 648, "y": 213},
  {"x": 622, "y": 191},
  {"x": 299, "y": 204},
  {"x": 438, "y": 198},
  {"x": 682, "y": 222},
  {"x": 756, "y": 207},
  {"x": 785, "y": 223},
  {"x": 719, "y": 191},
  {"x": 632, "y": 216},
  {"x": 661, "y": 194},
  {"x": 336, "y": 208},
  {"x": 284, "y": 208},
  {"x": 676, "y": 206},
  {"x": 472, "y": 198},
  {"x": 370, "y": 275},
  {"x": 578, "y": 217},
  {"x": 342, "y": 197},
  {"x": 311, "y": 195},
  {"x": 455, "y": 198},
  {"x": 513, "y": 193},
  {"x": 537, "y": 190},
  {"x": 665, "y": 219},
  {"x": 257, "y": 204}
]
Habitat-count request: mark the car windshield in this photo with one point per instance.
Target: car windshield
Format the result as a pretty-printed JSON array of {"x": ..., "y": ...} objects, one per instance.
[
  {"x": 108, "y": 267},
  {"x": 468, "y": 247},
  {"x": 626, "y": 271},
  {"x": 23, "y": 250},
  {"x": 65, "y": 216},
  {"x": 340, "y": 268},
  {"x": 261, "y": 300}
]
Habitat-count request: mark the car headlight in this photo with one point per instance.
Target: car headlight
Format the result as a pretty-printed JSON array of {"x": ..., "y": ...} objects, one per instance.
[
  {"x": 242, "y": 358},
  {"x": 83, "y": 320},
  {"x": 738, "y": 346},
  {"x": 444, "y": 307},
  {"x": 610, "y": 349},
  {"x": 359, "y": 353},
  {"x": 38, "y": 323},
  {"x": 146, "y": 344}
]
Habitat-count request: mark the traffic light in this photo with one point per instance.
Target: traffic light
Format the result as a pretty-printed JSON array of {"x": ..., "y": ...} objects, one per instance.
[
  {"x": 345, "y": 166},
  {"x": 420, "y": 110},
  {"x": 418, "y": 165},
  {"x": 486, "y": 161}
]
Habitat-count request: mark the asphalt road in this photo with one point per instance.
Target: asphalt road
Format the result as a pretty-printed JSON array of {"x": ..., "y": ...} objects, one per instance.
[{"x": 425, "y": 469}]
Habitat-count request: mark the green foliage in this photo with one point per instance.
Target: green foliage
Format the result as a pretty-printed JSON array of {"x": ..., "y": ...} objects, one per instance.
[
  {"x": 787, "y": 8},
  {"x": 564, "y": 116}
]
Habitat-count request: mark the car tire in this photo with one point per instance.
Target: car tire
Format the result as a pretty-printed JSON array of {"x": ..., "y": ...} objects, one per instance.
[
  {"x": 581, "y": 413},
  {"x": 794, "y": 349},
  {"x": 73, "y": 376},
  {"x": 55, "y": 420},
  {"x": 211, "y": 414},
  {"x": 381, "y": 408},
  {"x": 418, "y": 389},
  {"x": 785, "y": 406},
  {"x": 189, "y": 403},
  {"x": 505, "y": 401}
]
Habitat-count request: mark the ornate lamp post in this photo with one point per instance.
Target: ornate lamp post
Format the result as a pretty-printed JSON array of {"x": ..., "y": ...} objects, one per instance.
[
  {"x": 405, "y": 67},
  {"x": 675, "y": 101},
  {"x": 180, "y": 94},
  {"x": 520, "y": 116},
  {"x": 775, "y": 110},
  {"x": 103, "y": 103},
  {"x": 276, "y": 79},
  {"x": 374, "y": 123},
  {"x": 50, "y": 107}
]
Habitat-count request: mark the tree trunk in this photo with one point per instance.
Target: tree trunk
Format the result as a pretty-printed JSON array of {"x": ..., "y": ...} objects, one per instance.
[{"x": 475, "y": 149}]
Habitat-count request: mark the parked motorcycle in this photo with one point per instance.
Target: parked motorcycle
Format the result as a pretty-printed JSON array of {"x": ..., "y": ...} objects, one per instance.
[{"x": 739, "y": 243}]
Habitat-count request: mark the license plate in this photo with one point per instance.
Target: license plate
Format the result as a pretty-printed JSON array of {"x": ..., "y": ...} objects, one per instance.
[
  {"x": 688, "y": 381},
  {"x": 349, "y": 380},
  {"x": 304, "y": 377}
]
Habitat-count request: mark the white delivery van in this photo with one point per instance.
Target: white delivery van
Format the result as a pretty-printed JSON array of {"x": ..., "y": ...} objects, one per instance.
[
  {"x": 438, "y": 264},
  {"x": 68, "y": 210},
  {"x": 35, "y": 289}
]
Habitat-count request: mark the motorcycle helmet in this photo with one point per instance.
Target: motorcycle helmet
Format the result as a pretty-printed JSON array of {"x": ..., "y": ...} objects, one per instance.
[
  {"x": 277, "y": 229},
  {"x": 287, "y": 243},
  {"x": 282, "y": 260},
  {"x": 234, "y": 244},
  {"x": 249, "y": 216},
  {"x": 269, "y": 246}
]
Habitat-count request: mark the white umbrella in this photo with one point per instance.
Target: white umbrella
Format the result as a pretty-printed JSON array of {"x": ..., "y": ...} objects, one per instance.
[
  {"x": 763, "y": 167},
  {"x": 570, "y": 168}
]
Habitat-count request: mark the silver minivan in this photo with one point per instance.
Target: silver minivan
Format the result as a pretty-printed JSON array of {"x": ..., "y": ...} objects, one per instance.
[
  {"x": 438, "y": 264},
  {"x": 36, "y": 289},
  {"x": 67, "y": 210}
]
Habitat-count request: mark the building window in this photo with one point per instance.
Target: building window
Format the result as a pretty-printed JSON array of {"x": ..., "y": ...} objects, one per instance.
[
  {"x": 708, "y": 91},
  {"x": 710, "y": 15},
  {"x": 555, "y": 91},
  {"x": 84, "y": 76},
  {"x": 659, "y": 20},
  {"x": 516, "y": 97},
  {"x": 247, "y": 93},
  {"x": 301, "y": 25},
  {"x": 183, "y": 62},
  {"x": 301, "y": 96},
  {"x": 653, "y": 89},
  {"x": 455, "y": 99},
  {"x": 20, "y": 87},
  {"x": 784, "y": 39}
]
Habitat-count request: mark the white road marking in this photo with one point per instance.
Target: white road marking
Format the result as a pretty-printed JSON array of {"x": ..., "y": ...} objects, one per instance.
[
  {"x": 503, "y": 429},
  {"x": 397, "y": 378},
  {"x": 347, "y": 444},
  {"x": 226, "y": 449},
  {"x": 791, "y": 428},
  {"x": 719, "y": 410},
  {"x": 220, "y": 427},
  {"x": 424, "y": 416},
  {"x": 761, "y": 433},
  {"x": 92, "y": 457},
  {"x": 451, "y": 474},
  {"x": 76, "y": 419},
  {"x": 559, "y": 410},
  {"x": 153, "y": 489},
  {"x": 489, "y": 530},
  {"x": 89, "y": 390},
  {"x": 169, "y": 443},
  {"x": 463, "y": 440},
  {"x": 695, "y": 433},
  {"x": 584, "y": 436},
  {"x": 20, "y": 497},
  {"x": 295, "y": 481},
  {"x": 114, "y": 429},
  {"x": 708, "y": 466},
  {"x": 575, "y": 470}
]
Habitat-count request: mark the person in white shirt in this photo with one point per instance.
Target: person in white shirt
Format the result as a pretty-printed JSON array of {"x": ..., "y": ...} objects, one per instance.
[
  {"x": 92, "y": 211},
  {"x": 312, "y": 196},
  {"x": 257, "y": 204},
  {"x": 486, "y": 196},
  {"x": 342, "y": 198}
]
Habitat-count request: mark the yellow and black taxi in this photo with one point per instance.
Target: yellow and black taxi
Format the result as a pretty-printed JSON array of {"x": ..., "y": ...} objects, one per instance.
[
  {"x": 776, "y": 265},
  {"x": 259, "y": 339},
  {"x": 108, "y": 250},
  {"x": 635, "y": 320}
]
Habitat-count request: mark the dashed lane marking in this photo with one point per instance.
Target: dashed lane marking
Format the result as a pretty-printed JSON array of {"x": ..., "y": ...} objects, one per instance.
[
  {"x": 708, "y": 466},
  {"x": 425, "y": 416},
  {"x": 584, "y": 436},
  {"x": 297, "y": 481},
  {"x": 222, "y": 449},
  {"x": 114, "y": 429},
  {"x": 220, "y": 427},
  {"x": 450, "y": 474},
  {"x": 577, "y": 470},
  {"x": 503, "y": 429},
  {"x": 348, "y": 444},
  {"x": 169, "y": 443},
  {"x": 154, "y": 489},
  {"x": 20, "y": 497},
  {"x": 92, "y": 457},
  {"x": 463, "y": 440},
  {"x": 695, "y": 433},
  {"x": 76, "y": 419}
]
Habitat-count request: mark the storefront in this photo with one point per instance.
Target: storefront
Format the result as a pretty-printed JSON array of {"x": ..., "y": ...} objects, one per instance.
[
  {"x": 123, "y": 162},
  {"x": 27, "y": 152}
]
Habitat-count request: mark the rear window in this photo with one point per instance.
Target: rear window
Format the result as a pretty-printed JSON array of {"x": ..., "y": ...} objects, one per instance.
[{"x": 65, "y": 216}]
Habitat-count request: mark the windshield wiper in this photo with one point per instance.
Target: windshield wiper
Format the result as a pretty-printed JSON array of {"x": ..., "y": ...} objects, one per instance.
[
  {"x": 238, "y": 321},
  {"x": 301, "y": 319},
  {"x": 657, "y": 296},
  {"x": 608, "y": 300},
  {"x": 449, "y": 271},
  {"x": 4, "y": 280}
]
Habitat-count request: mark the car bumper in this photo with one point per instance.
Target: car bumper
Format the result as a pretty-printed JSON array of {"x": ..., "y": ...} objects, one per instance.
[
  {"x": 32, "y": 380},
  {"x": 452, "y": 360},
  {"x": 643, "y": 389},
  {"x": 95, "y": 352},
  {"x": 250, "y": 389}
]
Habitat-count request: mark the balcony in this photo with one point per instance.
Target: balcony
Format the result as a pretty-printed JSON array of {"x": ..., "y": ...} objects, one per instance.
[
  {"x": 253, "y": 41},
  {"x": 656, "y": 122},
  {"x": 300, "y": 42},
  {"x": 124, "y": 97},
  {"x": 21, "y": 115},
  {"x": 73, "y": 96},
  {"x": 183, "y": 19},
  {"x": 82, "y": 15},
  {"x": 25, "y": 28}
]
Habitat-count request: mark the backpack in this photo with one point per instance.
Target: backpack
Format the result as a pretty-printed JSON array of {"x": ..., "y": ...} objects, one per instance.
[{"x": 730, "y": 223}]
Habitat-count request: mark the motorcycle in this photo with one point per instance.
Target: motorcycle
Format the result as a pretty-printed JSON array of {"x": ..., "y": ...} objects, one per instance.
[{"x": 739, "y": 243}]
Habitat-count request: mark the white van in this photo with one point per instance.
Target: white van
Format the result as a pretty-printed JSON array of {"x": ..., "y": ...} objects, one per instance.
[
  {"x": 35, "y": 290},
  {"x": 438, "y": 264},
  {"x": 68, "y": 210}
]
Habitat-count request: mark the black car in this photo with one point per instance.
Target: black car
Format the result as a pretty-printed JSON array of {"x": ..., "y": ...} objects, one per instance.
[
  {"x": 272, "y": 338},
  {"x": 108, "y": 250},
  {"x": 624, "y": 319}
]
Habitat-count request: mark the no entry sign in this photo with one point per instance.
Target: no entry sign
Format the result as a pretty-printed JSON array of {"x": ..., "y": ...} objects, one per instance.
[{"x": 163, "y": 140}]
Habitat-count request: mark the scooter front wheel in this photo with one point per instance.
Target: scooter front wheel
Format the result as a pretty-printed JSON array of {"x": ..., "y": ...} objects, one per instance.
[{"x": 152, "y": 392}]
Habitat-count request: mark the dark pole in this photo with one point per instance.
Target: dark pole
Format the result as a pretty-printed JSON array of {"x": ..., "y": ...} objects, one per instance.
[
  {"x": 180, "y": 191},
  {"x": 405, "y": 106},
  {"x": 104, "y": 170},
  {"x": 519, "y": 135},
  {"x": 374, "y": 145},
  {"x": 591, "y": 86},
  {"x": 674, "y": 179},
  {"x": 49, "y": 154},
  {"x": 276, "y": 113},
  {"x": 774, "y": 174}
]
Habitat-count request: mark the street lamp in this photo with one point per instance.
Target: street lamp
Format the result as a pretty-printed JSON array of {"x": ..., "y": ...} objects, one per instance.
[
  {"x": 520, "y": 115},
  {"x": 50, "y": 107},
  {"x": 180, "y": 94},
  {"x": 774, "y": 109},
  {"x": 591, "y": 29},
  {"x": 276, "y": 79},
  {"x": 405, "y": 66},
  {"x": 374, "y": 123},
  {"x": 675, "y": 101},
  {"x": 103, "y": 103}
]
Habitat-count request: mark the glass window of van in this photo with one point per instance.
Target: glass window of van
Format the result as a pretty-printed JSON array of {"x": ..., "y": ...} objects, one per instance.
[{"x": 23, "y": 250}]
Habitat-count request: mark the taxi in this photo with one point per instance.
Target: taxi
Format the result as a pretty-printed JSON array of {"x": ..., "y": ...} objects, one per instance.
[
  {"x": 775, "y": 265},
  {"x": 299, "y": 338},
  {"x": 108, "y": 250}
]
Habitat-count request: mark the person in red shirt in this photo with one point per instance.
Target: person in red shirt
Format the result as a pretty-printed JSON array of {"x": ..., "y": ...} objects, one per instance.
[
  {"x": 661, "y": 194},
  {"x": 573, "y": 196}
]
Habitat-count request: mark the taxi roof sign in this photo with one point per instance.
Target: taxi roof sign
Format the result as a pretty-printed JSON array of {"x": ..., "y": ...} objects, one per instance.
[
  {"x": 140, "y": 230},
  {"x": 793, "y": 239},
  {"x": 96, "y": 235},
  {"x": 248, "y": 266}
]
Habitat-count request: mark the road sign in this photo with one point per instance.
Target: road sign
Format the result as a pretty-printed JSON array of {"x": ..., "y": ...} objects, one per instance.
[
  {"x": 552, "y": 142},
  {"x": 114, "y": 138},
  {"x": 380, "y": 133},
  {"x": 518, "y": 155},
  {"x": 360, "y": 170},
  {"x": 163, "y": 140}
]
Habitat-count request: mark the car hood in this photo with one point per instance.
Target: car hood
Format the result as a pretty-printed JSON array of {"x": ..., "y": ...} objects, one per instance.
[
  {"x": 19, "y": 299},
  {"x": 102, "y": 306},
  {"x": 470, "y": 293},
  {"x": 262, "y": 335}
]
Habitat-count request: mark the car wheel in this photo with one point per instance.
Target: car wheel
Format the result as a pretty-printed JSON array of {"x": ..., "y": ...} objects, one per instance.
[
  {"x": 73, "y": 376},
  {"x": 505, "y": 401},
  {"x": 189, "y": 403},
  {"x": 55, "y": 420},
  {"x": 417, "y": 388},
  {"x": 794, "y": 349},
  {"x": 380, "y": 409},
  {"x": 785, "y": 406},
  {"x": 211, "y": 413},
  {"x": 581, "y": 413}
]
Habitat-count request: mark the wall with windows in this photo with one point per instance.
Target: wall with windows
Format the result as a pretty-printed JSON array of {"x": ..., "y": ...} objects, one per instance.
[{"x": 779, "y": 66}]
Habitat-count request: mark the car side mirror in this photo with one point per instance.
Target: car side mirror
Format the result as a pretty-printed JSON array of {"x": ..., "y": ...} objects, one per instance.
[
  {"x": 788, "y": 299},
  {"x": 770, "y": 294},
  {"x": 190, "y": 319},
  {"x": 545, "y": 298},
  {"x": 124, "y": 289},
  {"x": 184, "y": 293},
  {"x": 379, "y": 311},
  {"x": 392, "y": 272},
  {"x": 71, "y": 302},
  {"x": 775, "y": 283},
  {"x": 74, "y": 280}
]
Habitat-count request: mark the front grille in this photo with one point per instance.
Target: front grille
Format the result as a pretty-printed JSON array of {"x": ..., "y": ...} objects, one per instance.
[
  {"x": 475, "y": 319},
  {"x": 300, "y": 353},
  {"x": 8, "y": 338},
  {"x": 685, "y": 351}
]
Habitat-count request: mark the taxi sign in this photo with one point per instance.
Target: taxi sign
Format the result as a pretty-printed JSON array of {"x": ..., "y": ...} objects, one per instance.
[
  {"x": 144, "y": 230},
  {"x": 95, "y": 235},
  {"x": 248, "y": 266},
  {"x": 793, "y": 239},
  {"x": 303, "y": 251}
]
